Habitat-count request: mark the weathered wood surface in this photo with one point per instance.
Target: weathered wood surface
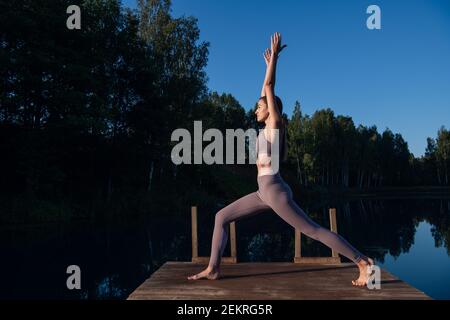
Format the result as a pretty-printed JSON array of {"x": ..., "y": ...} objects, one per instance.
[{"x": 269, "y": 280}]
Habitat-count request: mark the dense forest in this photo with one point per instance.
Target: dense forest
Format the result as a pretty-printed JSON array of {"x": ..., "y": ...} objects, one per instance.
[{"x": 86, "y": 118}]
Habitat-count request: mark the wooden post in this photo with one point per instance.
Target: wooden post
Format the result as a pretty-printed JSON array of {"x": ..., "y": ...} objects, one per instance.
[
  {"x": 333, "y": 227},
  {"x": 233, "y": 240},
  {"x": 298, "y": 244},
  {"x": 334, "y": 259},
  {"x": 194, "y": 232}
]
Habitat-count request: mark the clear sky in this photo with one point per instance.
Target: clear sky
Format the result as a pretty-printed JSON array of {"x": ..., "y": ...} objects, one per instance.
[{"x": 397, "y": 77}]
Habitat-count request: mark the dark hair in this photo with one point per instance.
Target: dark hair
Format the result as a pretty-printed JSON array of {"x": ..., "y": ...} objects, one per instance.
[
  {"x": 283, "y": 151},
  {"x": 277, "y": 100}
]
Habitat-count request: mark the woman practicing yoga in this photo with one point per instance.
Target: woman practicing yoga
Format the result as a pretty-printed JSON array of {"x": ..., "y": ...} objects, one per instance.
[{"x": 273, "y": 192}]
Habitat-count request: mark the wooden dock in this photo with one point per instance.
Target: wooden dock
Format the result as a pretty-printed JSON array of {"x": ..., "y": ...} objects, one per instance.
[
  {"x": 269, "y": 281},
  {"x": 304, "y": 278}
]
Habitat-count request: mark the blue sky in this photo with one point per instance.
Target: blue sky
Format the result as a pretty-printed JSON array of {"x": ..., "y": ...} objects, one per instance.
[{"x": 397, "y": 77}]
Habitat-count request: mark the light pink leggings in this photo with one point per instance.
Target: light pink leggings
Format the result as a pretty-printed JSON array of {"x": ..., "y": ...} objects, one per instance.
[{"x": 275, "y": 194}]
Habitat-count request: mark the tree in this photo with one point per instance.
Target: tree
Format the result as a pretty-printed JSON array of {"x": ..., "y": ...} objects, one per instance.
[{"x": 443, "y": 154}]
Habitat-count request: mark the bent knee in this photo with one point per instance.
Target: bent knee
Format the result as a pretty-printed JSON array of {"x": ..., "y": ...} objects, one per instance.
[{"x": 221, "y": 217}]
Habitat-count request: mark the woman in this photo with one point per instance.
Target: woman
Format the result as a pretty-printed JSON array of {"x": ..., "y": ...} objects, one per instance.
[{"x": 273, "y": 192}]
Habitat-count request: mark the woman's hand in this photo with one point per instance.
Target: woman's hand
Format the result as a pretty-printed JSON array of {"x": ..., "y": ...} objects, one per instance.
[
  {"x": 267, "y": 55},
  {"x": 275, "y": 44},
  {"x": 270, "y": 57}
]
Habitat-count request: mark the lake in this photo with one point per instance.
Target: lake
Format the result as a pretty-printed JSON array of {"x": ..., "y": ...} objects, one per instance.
[{"x": 410, "y": 238}]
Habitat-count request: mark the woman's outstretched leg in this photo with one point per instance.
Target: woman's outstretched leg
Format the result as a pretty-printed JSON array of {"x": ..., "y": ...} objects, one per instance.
[
  {"x": 279, "y": 197},
  {"x": 244, "y": 207}
]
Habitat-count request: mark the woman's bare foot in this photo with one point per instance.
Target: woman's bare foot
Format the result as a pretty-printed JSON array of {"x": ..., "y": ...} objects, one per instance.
[
  {"x": 364, "y": 272},
  {"x": 209, "y": 273}
]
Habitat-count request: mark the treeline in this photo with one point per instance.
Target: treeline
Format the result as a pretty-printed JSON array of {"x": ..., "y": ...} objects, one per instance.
[
  {"x": 329, "y": 150},
  {"x": 86, "y": 118},
  {"x": 86, "y": 115}
]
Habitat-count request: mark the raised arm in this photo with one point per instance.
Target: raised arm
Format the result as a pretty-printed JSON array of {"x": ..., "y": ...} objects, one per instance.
[
  {"x": 269, "y": 81},
  {"x": 267, "y": 54}
]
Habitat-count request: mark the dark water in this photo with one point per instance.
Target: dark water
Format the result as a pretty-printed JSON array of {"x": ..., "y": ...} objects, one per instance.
[{"x": 408, "y": 237}]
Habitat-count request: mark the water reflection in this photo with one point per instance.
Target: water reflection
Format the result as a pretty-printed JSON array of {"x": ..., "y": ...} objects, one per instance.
[
  {"x": 425, "y": 265},
  {"x": 408, "y": 237}
]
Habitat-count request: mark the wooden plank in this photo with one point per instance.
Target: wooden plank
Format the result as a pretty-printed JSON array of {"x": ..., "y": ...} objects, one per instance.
[
  {"x": 317, "y": 260},
  {"x": 194, "y": 232},
  {"x": 273, "y": 280},
  {"x": 298, "y": 244},
  {"x": 333, "y": 227},
  {"x": 205, "y": 260},
  {"x": 233, "y": 240}
]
